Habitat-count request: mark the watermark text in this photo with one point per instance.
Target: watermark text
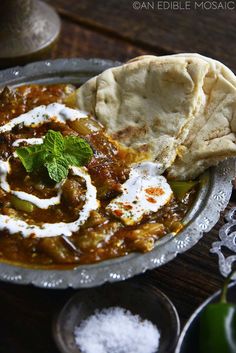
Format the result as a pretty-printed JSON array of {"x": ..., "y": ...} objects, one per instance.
[{"x": 176, "y": 5}]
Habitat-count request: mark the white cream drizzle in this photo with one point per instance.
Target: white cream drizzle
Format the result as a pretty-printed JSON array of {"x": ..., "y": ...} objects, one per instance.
[
  {"x": 32, "y": 141},
  {"x": 39, "y": 115},
  {"x": 43, "y": 114},
  {"x": 14, "y": 225},
  {"x": 5, "y": 168},
  {"x": 135, "y": 200},
  {"x": 142, "y": 176}
]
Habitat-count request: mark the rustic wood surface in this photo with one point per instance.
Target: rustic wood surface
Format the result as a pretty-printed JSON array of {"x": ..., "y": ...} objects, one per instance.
[{"x": 113, "y": 29}]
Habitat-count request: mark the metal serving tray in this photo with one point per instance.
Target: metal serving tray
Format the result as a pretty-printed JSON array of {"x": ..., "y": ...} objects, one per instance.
[{"x": 212, "y": 198}]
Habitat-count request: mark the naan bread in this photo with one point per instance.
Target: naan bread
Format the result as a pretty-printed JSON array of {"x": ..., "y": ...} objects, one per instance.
[
  {"x": 212, "y": 136},
  {"x": 180, "y": 106},
  {"x": 147, "y": 104}
]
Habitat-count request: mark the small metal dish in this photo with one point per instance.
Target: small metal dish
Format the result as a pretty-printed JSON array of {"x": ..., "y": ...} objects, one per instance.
[
  {"x": 213, "y": 197},
  {"x": 146, "y": 301},
  {"x": 188, "y": 340}
]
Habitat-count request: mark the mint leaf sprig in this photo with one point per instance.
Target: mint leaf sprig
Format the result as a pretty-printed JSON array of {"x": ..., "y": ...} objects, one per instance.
[{"x": 57, "y": 154}]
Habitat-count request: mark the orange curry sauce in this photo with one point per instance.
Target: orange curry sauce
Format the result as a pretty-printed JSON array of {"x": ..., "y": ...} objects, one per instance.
[{"x": 102, "y": 236}]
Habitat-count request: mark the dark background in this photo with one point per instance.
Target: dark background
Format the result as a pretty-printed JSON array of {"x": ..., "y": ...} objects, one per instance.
[{"x": 113, "y": 29}]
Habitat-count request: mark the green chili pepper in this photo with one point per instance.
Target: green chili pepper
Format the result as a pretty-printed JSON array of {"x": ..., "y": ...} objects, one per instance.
[
  {"x": 180, "y": 188},
  {"x": 22, "y": 205},
  {"x": 218, "y": 325}
]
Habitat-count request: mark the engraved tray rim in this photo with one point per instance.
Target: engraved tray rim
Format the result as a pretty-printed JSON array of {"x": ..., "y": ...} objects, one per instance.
[{"x": 205, "y": 213}]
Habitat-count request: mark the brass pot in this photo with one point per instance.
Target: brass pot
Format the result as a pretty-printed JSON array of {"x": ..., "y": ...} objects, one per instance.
[{"x": 28, "y": 30}]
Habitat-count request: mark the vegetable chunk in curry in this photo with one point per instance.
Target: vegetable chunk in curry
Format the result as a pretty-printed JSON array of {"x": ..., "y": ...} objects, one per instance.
[{"x": 46, "y": 184}]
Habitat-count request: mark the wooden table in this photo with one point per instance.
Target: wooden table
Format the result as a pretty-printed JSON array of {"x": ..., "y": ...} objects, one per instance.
[{"x": 113, "y": 29}]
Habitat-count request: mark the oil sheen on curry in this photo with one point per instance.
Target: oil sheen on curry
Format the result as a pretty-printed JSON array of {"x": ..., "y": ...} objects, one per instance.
[{"x": 69, "y": 193}]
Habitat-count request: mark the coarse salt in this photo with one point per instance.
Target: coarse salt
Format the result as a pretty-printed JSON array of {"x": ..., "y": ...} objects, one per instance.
[{"x": 116, "y": 330}]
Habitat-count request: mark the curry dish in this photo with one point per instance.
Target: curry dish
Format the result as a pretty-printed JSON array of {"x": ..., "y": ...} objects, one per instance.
[{"x": 104, "y": 233}]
